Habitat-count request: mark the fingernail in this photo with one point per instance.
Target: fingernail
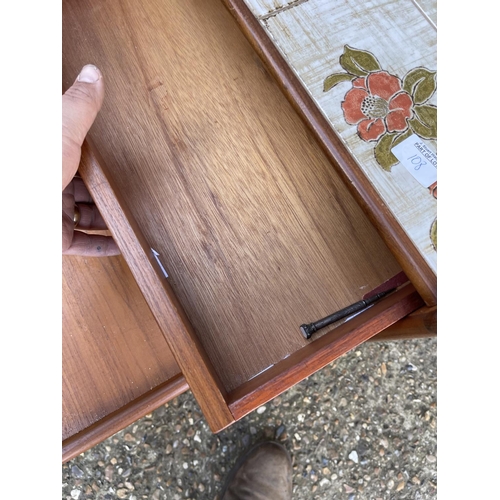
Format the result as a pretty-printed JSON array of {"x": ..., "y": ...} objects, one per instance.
[{"x": 89, "y": 74}]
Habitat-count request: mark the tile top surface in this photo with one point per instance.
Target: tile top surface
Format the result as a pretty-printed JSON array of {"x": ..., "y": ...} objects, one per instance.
[{"x": 371, "y": 68}]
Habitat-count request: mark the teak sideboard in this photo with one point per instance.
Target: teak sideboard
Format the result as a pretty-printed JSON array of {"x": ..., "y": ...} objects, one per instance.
[{"x": 239, "y": 214}]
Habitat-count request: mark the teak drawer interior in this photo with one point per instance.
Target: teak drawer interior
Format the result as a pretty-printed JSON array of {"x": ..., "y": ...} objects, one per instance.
[{"x": 197, "y": 154}]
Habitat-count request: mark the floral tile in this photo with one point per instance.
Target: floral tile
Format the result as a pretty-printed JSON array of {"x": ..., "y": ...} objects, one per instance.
[{"x": 371, "y": 68}]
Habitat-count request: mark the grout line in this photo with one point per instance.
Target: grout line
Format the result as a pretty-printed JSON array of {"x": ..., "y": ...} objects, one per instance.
[
  {"x": 419, "y": 7},
  {"x": 275, "y": 12}
]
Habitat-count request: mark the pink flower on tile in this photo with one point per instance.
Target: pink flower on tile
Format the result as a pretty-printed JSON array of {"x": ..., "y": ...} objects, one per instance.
[
  {"x": 433, "y": 189},
  {"x": 377, "y": 104}
]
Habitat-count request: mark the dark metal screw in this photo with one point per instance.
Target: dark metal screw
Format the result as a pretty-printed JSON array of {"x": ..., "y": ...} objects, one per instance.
[{"x": 308, "y": 329}]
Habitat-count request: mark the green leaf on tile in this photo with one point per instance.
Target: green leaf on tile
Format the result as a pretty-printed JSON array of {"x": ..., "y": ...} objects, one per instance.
[
  {"x": 358, "y": 62},
  {"x": 434, "y": 234},
  {"x": 332, "y": 80},
  {"x": 383, "y": 153},
  {"x": 424, "y": 123},
  {"x": 420, "y": 83}
]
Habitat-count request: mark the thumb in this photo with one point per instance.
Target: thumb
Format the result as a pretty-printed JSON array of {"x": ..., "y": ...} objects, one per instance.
[{"x": 80, "y": 105}]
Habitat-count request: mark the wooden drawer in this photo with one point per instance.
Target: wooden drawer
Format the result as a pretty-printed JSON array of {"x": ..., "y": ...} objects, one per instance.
[
  {"x": 197, "y": 154},
  {"x": 116, "y": 364}
]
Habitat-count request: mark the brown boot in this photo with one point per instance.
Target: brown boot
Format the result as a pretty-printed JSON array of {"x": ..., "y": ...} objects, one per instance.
[{"x": 263, "y": 473}]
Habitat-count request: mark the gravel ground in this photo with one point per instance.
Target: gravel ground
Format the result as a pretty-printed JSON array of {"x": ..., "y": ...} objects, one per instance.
[{"x": 364, "y": 427}]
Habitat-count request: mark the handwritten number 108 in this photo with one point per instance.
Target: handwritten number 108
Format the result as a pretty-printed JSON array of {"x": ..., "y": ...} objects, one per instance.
[{"x": 417, "y": 162}]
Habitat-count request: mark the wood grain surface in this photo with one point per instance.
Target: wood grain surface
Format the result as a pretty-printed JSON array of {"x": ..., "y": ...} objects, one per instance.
[
  {"x": 121, "y": 418},
  {"x": 421, "y": 323},
  {"x": 112, "y": 349},
  {"x": 149, "y": 275},
  {"x": 257, "y": 232}
]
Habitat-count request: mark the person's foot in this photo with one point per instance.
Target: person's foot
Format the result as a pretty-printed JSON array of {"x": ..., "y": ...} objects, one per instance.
[{"x": 263, "y": 473}]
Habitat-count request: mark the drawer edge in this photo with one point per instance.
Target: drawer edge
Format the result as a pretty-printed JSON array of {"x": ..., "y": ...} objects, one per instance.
[
  {"x": 311, "y": 358},
  {"x": 168, "y": 312}
]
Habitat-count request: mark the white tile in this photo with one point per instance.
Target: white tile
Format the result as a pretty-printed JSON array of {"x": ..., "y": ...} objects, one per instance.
[
  {"x": 268, "y": 7},
  {"x": 312, "y": 36}
]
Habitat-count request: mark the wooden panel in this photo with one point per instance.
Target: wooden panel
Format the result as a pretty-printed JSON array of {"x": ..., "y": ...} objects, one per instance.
[
  {"x": 420, "y": 324},
  {"x": 283, "y": 54},
  {"x": 148, "y": 274},
  {"x": 256, "y": 230},
  {"x": 113, "y": 351},
  {"x": 121, "y": 418}
]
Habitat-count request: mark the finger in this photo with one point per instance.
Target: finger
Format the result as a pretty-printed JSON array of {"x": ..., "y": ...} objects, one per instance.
[
  {"x": 92, "y": 245},
  {"x": 90, "y": 217},
  {"x": 68, "y": 227},
  {"x": 68, "y": 203},
  {"x": 80, "y": 191},
  {"x": 80, "y": 105}
]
